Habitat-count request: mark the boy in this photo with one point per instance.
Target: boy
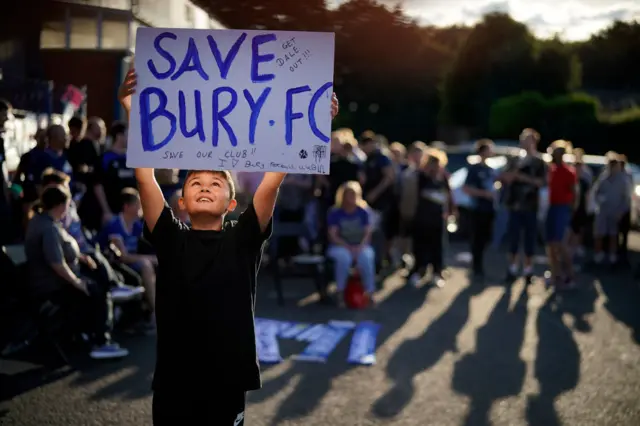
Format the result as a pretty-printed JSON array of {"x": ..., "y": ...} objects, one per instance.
[
  {"x": 563, "y": 197},
  {"x": 206, "y": 292},
  {"x": 125, "y": 231}
]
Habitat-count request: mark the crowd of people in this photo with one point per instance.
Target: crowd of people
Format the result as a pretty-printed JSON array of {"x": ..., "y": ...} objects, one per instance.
[{"x": 73, "y": 203}]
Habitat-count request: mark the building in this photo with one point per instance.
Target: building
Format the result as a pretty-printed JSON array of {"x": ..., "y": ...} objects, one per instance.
[{"x": 85, "y": 43}]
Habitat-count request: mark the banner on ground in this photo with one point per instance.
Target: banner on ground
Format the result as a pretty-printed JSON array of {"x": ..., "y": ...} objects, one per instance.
[
  {"x": 322, "y": 340},
  {"x": 232, "y": 100}
]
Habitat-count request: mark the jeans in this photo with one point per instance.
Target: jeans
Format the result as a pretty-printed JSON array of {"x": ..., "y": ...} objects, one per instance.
[
  {"x": 523, "y": 222},
  {"x": 500, "y": 225},
  {"x": 365, "y": 262}
]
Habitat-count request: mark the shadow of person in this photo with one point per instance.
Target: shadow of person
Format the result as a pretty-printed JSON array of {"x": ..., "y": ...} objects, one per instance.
[
  {"x": 315, "y": 380},
  {"x": 623, "y": 297},
  {"x": 416, "y": 355},
  {"x": 495, "y": 370},
  {"x": 556, "y": 367}
]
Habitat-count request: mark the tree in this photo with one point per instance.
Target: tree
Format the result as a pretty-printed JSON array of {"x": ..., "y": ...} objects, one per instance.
[{"x": 497, "y": 59}]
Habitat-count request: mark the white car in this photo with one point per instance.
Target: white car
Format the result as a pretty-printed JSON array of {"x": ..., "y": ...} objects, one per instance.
[{"x": 596, "y": 162}]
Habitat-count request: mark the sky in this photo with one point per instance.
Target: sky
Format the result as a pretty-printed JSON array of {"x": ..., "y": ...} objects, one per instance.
[{"x": 572, "y": 20}]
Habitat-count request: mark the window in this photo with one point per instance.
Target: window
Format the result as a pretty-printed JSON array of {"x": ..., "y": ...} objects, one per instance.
[
  {"x": 84, "y": 33},
  {"x": 53, "y": 35},
  {"x": 115, "y": 35}
]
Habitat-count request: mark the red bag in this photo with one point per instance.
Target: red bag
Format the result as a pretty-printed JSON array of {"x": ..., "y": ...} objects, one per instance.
[{"x": 354, "y": 295}]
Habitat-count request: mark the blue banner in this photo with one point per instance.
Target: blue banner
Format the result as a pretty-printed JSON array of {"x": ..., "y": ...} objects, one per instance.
[
  {"x": 363, "y": 343},
  {"x": 324, "y": 344}
]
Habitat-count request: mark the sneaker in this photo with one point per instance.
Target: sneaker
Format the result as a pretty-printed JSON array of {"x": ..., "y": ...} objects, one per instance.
[
  {"x": 108, "y": 351},
  {"x": 126, "y": 293}
]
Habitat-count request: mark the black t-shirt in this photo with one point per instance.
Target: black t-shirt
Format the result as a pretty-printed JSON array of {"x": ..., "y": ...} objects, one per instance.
[
  {"x": 374, "y": 170},
  {"x": 342, "y": 169},
  {"x": 84, "y": 157},
  {"x": 205, "y": 303},
  {"x": 521, "y": 195},
  {"x": 432, "y": 199},
  {"x": 115, "y": 176}
]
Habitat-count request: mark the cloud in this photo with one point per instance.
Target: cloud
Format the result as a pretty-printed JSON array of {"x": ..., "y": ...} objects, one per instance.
[{"x": 572, "y": 20}]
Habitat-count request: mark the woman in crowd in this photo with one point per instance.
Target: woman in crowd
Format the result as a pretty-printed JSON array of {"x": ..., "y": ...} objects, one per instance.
[
  {"x": 433, "y": 207},
  {"x": 350, "y": 238},
  {"x": 53, "y": 259}
]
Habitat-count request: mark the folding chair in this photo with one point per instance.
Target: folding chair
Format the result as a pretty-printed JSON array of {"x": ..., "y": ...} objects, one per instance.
[{"x": 305, "y": 265}]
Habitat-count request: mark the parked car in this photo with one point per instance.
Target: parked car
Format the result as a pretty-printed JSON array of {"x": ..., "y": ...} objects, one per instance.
[{"x": 595, "y": 162}]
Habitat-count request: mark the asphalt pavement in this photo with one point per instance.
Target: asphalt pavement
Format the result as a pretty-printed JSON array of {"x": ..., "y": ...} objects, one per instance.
[{"x": 472, "y": 354}]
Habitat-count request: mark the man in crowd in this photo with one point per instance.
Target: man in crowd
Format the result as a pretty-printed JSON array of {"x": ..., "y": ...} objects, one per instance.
[
  {"x": 378, "y": 191},
  {"x": 114, "y": 174},
  {"x": 624, "y": 227},
  {"x": 611, "y": 193},
  {"x": 581, "y": 218},
  {"x": 480, "y": 187},
  {"x": 85, "y": 160},
  {"x": 525, "y": 175},
  {"x": 53, "y": 156},
  {"x": 563, "y": 197},
  {"x": 5, "y": 195}
]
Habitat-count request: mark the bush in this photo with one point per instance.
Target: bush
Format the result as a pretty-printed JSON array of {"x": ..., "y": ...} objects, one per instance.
[{"x": 576, "y": 117}]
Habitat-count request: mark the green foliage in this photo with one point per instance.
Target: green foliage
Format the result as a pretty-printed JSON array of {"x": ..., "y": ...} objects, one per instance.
[
  {"x": 425, "y": 76},
  {"x": 576, "y": 117}
]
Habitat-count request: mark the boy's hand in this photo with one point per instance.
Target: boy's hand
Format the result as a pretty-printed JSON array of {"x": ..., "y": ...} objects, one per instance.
[
  {"x": 127, "y": 88},
  {"x": 335, "y": 106}
]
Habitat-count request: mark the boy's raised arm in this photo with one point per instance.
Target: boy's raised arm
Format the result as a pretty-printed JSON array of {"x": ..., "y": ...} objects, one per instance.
[
  {"x": 264, "y": 200},
  {"x": 151, "y": 195}
]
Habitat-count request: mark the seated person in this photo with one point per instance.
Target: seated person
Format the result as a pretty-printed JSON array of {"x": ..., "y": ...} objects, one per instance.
[
  {"x": 53, "y": 260},
  {"x": 125, "y": 232},
  {"x": 349, "y": 237},
  {"x": 93, "y": 262}
]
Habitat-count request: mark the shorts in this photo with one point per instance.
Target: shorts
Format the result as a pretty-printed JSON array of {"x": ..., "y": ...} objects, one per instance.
[
  {"x": 558, "y": 221},
  {"x": 605, "y": 225}
]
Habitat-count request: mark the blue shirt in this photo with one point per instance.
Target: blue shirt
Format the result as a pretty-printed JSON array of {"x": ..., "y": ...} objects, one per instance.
[
  {"x": 72, "y": 224},
  {"x": 351, "y": 226},
  {"x": 42, "y": 160},
  {"x": 482, "y": 177},
  {"x": 117, "y": 228}
]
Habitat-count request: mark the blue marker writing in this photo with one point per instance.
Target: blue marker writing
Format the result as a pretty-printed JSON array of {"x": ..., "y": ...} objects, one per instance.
[
  {"x": 198, "y": 129},
  {"x": 257, "y": 58},
  {"x": 219, "y": 116},
  {"x": 256, "y": 107},
  {"x": 147, "y": 117},
  {"x": 166, "y": 55},
  {"x": 191, "y": 62}
]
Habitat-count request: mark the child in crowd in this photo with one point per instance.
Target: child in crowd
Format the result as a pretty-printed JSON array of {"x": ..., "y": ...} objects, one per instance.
[
  {"x": 350, "y": 239},
  {"x": 563, "y": 196},
  {"x": 125, "y": 231}
]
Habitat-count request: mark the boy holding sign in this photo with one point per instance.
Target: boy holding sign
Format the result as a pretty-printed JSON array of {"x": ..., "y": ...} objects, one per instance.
[{"x": 206, "y": 290}]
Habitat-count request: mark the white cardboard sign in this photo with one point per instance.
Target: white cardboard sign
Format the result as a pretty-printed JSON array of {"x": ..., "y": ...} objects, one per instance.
[{"x": 232, "y": 100}]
